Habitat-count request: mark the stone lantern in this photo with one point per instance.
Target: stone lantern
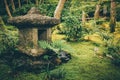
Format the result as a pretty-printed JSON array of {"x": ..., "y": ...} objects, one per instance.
[{"x": 32, "y": 28}]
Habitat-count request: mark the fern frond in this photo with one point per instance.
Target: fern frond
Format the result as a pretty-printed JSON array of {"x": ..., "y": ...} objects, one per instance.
[
  {"x": 59, "y": 44},
  {"x": 56, "y": 46},
  {"x": 44, "y": 45}
]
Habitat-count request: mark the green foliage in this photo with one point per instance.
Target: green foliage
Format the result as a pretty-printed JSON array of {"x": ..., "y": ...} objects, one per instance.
[
  {"x": 8, "y": 42},
  {"x": 55, "y": 46},
  {"x": 99, "y": 21},
  {"x": 23, "y": 10},
  {"x": 46, "y": 57},
  {"x": 89, "y": 9},
  {"x": 77, "y": 7},
  {"x": 107, "y": 38},
  {"x": 118, "y": 13},
  {"x": 114, "y": 51},
  {"x": 59, "y": 74},
  {"x": 44, "y": 45},
  {"x": 47, "y": 9},
  {"x": 5, "y": 72},
  {"x": 72, "y": 28},
  {"x": 55, "y": 75}
]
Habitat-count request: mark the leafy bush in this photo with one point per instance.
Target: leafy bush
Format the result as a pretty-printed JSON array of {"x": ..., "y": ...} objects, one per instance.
[
  {"x": 90, "y": 9},
  {"x": 77, "y": 7},
  {"x": 99, "y": 21},
  {"x": 55, "y": 75},
  {"x": 23, "y": 10},
  {"x": 5, "y": 72},
  {"x": 118, "y": 13},
  {"x": 47, "y": 9},
  {"x": 8, "y": 42},
  {"x": 114, "y": 51},
  {"x": 72, "y": 28},
  {"x": 107, "y": 38}
]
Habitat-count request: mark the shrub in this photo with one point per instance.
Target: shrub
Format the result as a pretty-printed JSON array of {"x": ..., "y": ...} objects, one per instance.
[
  {"x": 8, "y": 42},
  {"x": 59, "y": 74},
  {"x": 117, "y": 13},
  {"x": 23, "y": 10},
  {"x": 72, "y": 28},
  {"x": 47, "y": 9},
  {"x": 90, "y": 9},
  {"x": 55, "y": 75},
  {"x": 107, "y": 38},
  {"x": 114, "y": 51}
]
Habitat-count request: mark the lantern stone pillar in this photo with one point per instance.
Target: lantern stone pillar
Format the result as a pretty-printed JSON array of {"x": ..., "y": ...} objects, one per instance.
[
  {"x": 28, "y": 37},
  {"x": 32, "y": 28}
]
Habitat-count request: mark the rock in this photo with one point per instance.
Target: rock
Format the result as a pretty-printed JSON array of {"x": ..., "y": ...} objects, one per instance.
[{"x": 64, "y": 56}]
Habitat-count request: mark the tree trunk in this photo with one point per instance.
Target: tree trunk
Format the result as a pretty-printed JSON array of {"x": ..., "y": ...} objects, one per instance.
[
  {"x": 37, "y": 2},
  {"x": 112, "y": 16},
  {"x": 7, "y": 9},
  {"x": 41, "y": 1},
  {"x": 13, "y": 5},
  {"x": 57, "y": 13},
  {"x": 27, "y": 1},
  {"x": 97, "y": 11},
  {"x": 2, "y": 28},
  {"x": 84, "y": 15},
  {"x": 19, "y": 3},
  {"x": 104, "y": 10}
]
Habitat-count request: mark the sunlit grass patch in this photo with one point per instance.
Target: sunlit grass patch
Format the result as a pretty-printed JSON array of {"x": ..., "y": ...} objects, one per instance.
[{"x": 57, "y": 37}]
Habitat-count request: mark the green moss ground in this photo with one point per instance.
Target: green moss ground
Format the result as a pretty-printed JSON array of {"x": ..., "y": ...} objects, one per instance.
[{"x": 85, "y": 65}]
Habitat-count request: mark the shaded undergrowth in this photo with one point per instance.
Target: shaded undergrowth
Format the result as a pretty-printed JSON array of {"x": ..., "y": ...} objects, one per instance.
[{"x": 12, "y": 64}]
